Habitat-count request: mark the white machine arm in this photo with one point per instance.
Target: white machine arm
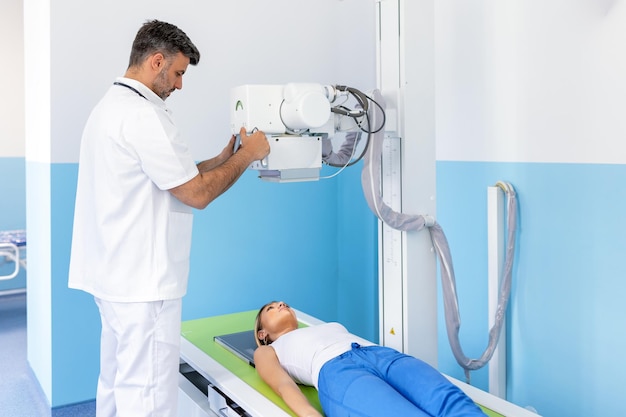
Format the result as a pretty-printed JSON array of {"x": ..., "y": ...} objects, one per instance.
[
  {"x": 292, "y": 108},
  {"x": 299, "y": 119}
]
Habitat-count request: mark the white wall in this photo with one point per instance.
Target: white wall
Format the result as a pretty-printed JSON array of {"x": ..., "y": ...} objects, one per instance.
[
  {"x": 531, "y": 81},
  {"x": 12, "y": 172},
  {"x": 244, "y": 41},
  {"x": 12, "y": 73}
]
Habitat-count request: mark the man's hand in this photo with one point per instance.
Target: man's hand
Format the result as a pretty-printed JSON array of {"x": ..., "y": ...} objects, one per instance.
[{"x": 256, "y": 144}]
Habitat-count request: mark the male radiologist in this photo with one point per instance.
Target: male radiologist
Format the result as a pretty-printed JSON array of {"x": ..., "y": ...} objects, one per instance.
[{"x": 137, "y": 185}]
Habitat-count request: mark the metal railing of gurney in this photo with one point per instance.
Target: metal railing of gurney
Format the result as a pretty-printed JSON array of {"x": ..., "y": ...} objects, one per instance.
[{"x": 12, "y": 250}]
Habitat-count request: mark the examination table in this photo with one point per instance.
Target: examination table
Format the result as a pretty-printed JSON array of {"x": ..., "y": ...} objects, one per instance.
[{"x": 214, "y": 382}]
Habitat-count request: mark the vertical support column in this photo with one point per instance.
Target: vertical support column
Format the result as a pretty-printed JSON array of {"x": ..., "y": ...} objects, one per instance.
[
  {"x": 391, "y": 267},
  {"x": 405, "y": 58},
  {"x": 417, "y": 86},
  {"x": 495, "y": 250}
]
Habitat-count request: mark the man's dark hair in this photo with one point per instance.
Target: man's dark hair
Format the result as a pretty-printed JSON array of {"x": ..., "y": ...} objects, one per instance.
[{"x": 156, "y": 36}]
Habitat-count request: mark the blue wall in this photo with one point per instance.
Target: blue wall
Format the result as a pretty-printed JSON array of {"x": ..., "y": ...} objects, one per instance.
[
  {"x": 12, "y": 211},
  {"x": 566, "y": 311},
  {"x": 311, "y": 244}
]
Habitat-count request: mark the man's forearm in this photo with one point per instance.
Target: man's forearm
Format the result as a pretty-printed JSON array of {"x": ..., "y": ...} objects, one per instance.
[
  {"x": 209, "y": 164},
  {"x": 211, "y": 183},
  {"x": 220, "y": 178}
]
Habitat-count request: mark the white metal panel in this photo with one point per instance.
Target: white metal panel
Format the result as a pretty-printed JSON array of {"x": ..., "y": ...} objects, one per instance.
[
  {"x": 417, "y": 115},
  {"x": 243, "y": 394},
  {"x": 191, "y": 401},
  {"x": 388, "y": 59},
  {"x": 390, "y": 277}
]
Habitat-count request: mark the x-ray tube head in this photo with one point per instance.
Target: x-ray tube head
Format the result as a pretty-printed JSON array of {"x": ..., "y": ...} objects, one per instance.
[
  {"x": 279, "y": 109},
  {"x": 299, "y": 120},
  {"x": 305, "y": 106},
  {"x": 256, "y": 106}
]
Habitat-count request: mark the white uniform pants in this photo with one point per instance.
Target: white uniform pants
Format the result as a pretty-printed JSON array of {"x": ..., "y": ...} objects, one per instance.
[{"x": 139, "y": 359}]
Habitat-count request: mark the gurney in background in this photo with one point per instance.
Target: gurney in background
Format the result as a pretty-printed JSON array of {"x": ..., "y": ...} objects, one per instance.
[{"x": 12, "y": 253}]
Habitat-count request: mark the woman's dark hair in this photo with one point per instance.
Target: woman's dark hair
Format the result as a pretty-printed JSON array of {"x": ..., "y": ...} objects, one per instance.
[{"x": 156, "y": 36}]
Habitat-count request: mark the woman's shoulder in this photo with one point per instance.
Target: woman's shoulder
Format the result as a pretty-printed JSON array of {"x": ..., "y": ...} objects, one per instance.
[{"x": 264, "y": 352}]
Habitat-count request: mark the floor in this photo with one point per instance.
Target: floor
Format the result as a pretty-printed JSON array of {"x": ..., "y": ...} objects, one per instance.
[{"x": 20, "y": 393}]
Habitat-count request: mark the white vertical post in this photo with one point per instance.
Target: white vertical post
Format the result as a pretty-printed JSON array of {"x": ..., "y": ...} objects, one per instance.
[
  {"x": 405, "y": 68},
  {"x": 391, "y": 281},
  {"x": 417, "y": 130},
  {"x": 496, "y": 248}
]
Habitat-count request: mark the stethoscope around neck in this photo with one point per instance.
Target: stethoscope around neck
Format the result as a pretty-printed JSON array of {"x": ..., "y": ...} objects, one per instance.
[{"x": 130, "y": 88}]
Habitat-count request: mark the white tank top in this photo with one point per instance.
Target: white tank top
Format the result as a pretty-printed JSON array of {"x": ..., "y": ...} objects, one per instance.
[{"x": 304, "y": 351}]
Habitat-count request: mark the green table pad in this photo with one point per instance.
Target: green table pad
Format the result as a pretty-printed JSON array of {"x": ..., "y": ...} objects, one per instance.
[{"x": 200, "y": 333}]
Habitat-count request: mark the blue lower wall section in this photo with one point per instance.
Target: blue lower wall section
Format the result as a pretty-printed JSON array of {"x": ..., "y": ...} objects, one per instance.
[
  {"x": 357, "y": 261},
  {"x": 12, "y": 211},
  {"x": 264, "y": 241},
  {"x": 74, "y": 316},
  {"x": 566, "y": 318},
  {"x": 312, "y": 244}
]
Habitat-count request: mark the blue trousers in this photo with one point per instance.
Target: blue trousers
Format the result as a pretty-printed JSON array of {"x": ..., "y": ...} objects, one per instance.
[{"x": 378, "y": 381}]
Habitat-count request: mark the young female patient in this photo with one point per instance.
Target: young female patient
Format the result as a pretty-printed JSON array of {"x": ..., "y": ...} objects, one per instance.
[{"x": 353, "y": 377}]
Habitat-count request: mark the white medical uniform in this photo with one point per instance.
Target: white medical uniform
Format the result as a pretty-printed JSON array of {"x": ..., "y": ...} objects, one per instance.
[{"x": 130, "y": 246}]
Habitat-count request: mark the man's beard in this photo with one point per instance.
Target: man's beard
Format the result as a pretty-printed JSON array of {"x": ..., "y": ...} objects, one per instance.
[{"x": 159, "y": 86}]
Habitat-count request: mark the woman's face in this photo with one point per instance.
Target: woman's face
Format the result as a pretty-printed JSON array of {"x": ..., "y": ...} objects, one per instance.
[{"x": 276, "y": 318}]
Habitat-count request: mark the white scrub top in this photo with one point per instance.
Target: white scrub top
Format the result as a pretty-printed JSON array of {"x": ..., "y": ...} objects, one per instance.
[{"x": 132, "y": 237}]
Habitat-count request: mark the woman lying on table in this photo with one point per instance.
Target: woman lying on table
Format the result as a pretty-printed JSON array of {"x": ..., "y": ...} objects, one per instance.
[{"x": 353, "y": 377}]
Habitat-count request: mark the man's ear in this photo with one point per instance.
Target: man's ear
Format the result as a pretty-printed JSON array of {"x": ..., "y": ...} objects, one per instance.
[{"x": 157, "y": 61}]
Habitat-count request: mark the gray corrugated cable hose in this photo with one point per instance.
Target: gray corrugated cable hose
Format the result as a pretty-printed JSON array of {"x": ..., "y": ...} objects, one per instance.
[{"x": 370, "y": 181}]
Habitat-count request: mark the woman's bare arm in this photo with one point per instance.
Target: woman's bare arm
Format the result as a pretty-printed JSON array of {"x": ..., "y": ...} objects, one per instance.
[{"x": 278, "y": 379}]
